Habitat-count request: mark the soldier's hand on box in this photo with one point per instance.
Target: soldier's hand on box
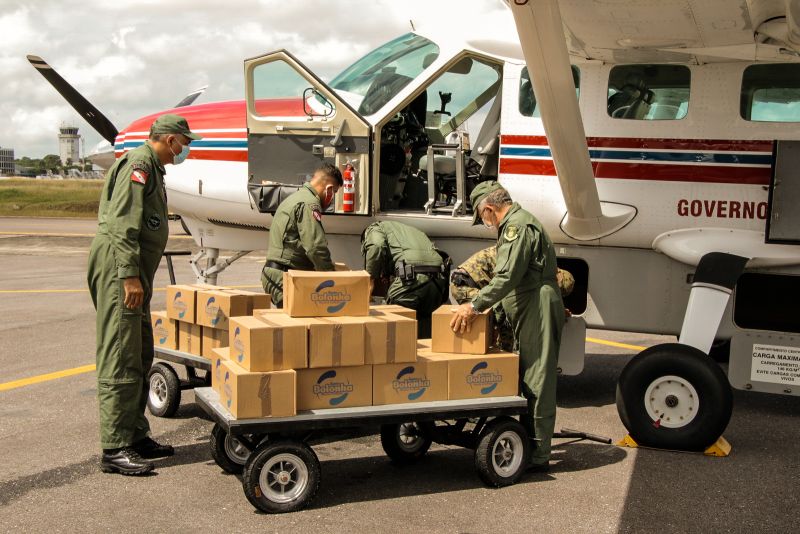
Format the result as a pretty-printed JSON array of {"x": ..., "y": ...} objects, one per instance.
[
  {"x": 462, "y": 317},
  {"x": 134, "y": 292}
]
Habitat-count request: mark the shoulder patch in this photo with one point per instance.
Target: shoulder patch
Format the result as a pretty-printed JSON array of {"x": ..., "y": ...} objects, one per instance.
[
  {"x": 511, "y": 233},
  {"x": 139, "y": 175},
  {"x": 317, "y": 214}
]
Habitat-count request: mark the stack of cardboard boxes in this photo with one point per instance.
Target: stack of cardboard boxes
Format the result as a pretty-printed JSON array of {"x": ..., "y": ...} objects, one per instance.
[{"x": 328, "y": 348}]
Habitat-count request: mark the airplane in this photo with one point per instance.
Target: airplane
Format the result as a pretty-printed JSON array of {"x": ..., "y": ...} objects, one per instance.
[{"x": 656, "y": 142}]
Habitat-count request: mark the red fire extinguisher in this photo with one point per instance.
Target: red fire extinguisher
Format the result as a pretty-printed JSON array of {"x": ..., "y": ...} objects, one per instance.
[{"x": 349, "y": 188}]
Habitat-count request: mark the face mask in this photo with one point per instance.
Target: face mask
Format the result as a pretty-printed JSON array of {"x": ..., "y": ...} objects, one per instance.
[
  {"x": 181, "y": 156},
  {"x": 487, "y": 225},
  {"x": 329, "y": 194}
]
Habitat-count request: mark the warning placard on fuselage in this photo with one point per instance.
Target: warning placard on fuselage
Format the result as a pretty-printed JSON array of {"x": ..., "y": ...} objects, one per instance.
[{"x": 775, "y": 363}]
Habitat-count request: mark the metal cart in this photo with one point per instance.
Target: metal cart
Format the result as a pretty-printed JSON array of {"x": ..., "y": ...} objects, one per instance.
[
  {"x": 281, "y": 472},
  {"x": 164, "y": 396}
]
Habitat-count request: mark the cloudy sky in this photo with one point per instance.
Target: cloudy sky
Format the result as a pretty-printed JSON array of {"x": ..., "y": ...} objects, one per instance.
[{"x": 135, "y": 57}]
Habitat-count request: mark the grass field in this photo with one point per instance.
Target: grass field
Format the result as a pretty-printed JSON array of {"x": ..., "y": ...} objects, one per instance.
[{"x": 50, "y": 198}]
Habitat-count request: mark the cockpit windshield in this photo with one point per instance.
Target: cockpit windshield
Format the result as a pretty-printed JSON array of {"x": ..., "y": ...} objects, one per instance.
[{"x": 373, "y": 80}]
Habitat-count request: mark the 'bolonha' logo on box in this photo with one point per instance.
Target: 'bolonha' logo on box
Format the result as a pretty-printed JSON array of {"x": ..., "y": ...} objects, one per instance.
[
  {"x": 160, "y": 331},
  {"x": 238, "y": 345},
  {"x": 326, "y": 295},
  {"x": 212, "y": 310},
  {"x": 179, "y": 305},
  {"x": 416, "y": 386},
  {"x": 487, "y": 380},
  {"x": 338, "y": 390}
]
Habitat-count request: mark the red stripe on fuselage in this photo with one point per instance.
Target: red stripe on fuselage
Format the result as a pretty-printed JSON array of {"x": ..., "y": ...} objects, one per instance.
[
  {"x": 715, "y": 174},
  {"x": 643, "y": 143}
]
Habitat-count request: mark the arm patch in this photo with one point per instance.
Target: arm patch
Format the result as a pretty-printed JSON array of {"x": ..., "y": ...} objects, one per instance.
[
  {"x": 511, "y": 233},
  {"x": 139, "y": 174}
]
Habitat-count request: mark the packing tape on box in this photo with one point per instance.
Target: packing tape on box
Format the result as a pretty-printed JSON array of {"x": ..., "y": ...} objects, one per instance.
[
  {"x": 391, "y": 341},
  {"x": 265, "y": 393},
  {"x": 336, "y": 342}
]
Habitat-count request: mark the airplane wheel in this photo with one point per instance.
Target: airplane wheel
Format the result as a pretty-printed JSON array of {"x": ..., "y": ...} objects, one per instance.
[{"x": 674, "y": 396}]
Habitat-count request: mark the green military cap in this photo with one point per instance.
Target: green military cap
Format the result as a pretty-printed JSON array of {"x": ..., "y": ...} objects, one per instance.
[
  {"x": 173, "y": 124},
  {"x": 478, "y": 194}
]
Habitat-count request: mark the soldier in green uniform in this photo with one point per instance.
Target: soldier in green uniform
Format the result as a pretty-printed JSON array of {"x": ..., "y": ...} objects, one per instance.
[
  {"x": 525, "y": 283},
  {"x": 400, "y": 252},
  {"x": 476, "y": 273},
  {"x": 131, "y": 236},
  {"x": 296, "y": 237}
]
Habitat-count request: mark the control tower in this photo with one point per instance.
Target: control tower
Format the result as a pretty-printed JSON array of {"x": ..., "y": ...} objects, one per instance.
[{"x": 69, "y": 144}]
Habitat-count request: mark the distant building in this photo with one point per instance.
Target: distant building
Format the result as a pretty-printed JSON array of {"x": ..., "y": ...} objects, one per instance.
[
  {"x": 6, "y": 162},
  {"x": 69, "y": 144}
]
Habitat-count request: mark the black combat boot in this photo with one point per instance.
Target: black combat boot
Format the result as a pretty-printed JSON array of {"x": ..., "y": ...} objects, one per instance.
[
  {"x": 125, "y": 461},
  {"x": 149, "y": 448}
]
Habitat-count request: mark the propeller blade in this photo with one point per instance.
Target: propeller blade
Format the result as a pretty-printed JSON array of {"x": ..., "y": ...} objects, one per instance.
[
  {"x": 91, "y": 114},
  {"x": 191, "y": 97}
]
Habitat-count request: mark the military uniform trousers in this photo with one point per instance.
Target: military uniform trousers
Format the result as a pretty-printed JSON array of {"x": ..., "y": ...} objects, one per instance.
[
  {"x": 538, "y": 318},
  {"x": 424, "y": 294},
  {"x": 124, "y": 351}
]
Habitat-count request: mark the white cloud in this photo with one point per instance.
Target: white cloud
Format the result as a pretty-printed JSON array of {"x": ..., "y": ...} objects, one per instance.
[{"x": 133, "y": 57}]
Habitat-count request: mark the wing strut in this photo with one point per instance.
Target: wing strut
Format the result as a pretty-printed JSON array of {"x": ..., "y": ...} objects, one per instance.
[{"x": 541, "y": 36}]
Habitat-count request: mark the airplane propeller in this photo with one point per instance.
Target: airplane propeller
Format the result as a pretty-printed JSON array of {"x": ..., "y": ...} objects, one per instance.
[{"x": 91, "y": 114}]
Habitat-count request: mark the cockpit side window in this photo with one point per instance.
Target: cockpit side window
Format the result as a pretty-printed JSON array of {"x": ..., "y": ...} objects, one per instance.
[
  {"x": 369, "y": 83},
  {"x": 648, "y": 92},
  {"x": 527, "y": 100},
  {"x": 771, "y": 93}
]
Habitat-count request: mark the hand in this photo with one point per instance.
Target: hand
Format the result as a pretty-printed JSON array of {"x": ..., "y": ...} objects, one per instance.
[
  {"x": 134, "y": 293},
  {"x": 462, "y": 317}
]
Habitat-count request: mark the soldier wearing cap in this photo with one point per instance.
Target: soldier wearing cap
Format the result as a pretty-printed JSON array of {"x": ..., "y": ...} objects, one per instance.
[
  {"x": 296, "y": 236},
  {"x": 397, "y": 251},
  {"x": 525, "y": 283},
  {"x": 476, "y": 272},
  {"x": 132, "y": 233}
]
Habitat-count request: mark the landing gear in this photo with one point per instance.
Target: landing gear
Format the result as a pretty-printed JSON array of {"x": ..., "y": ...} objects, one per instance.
[
  {"x": 214, "y": 265},
  {"x": 673, "y": 396}
]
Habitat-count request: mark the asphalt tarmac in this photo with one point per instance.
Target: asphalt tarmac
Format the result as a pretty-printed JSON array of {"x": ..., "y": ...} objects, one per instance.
[{"x": 50, "y": 481}]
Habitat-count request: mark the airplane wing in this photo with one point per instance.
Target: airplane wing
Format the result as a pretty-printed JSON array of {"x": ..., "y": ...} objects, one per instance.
[
  {"x": 85, "y": 109},
  {"x": 191, "y": 97}
]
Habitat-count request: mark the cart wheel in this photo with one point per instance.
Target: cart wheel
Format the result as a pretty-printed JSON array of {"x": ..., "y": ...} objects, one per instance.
[
  {"x": 502, "y": 452},
  {"x": 228, "y": 452},
  {"x": 165, "y": 390},
  {"x": 281, "y": 476},
  {"x": 405, "y": 443}
]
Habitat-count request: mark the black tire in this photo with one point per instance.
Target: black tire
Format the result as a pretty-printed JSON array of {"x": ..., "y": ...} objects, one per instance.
[
  {"x": 405, "y": 443},
  {"x": 299, "y": 475},
  {"x": 673, "y": 416},
  {"x": 227, "y": 451},
  {"x": 503, "y": 452},
  {"x": 164, "y": 390}
]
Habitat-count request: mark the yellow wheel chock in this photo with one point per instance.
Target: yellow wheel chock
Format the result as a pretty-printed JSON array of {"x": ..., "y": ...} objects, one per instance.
[{"x": 720, "y": 448}]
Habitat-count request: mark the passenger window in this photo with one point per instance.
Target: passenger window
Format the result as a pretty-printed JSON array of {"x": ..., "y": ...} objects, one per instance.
[
  {"x": 280, "y": 91},
  {"x": 771, "y": 93},
  {"x": 648, "y": 92},
  {"x": 527, "y": 100}
]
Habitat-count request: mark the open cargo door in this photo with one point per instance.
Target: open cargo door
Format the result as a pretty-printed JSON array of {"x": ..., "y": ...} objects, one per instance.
[{"x": 295, "y": 123}]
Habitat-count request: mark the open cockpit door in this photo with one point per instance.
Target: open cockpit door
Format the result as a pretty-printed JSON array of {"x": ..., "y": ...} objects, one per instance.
[{"x": 295, "y": 123}]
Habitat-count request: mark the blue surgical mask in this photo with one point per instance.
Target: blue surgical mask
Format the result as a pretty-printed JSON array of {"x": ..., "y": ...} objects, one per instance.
[{"x": 180, "y": 157}]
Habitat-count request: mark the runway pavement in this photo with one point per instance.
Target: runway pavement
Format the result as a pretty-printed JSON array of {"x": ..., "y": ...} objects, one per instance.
[{"x": 49, "y": 480}]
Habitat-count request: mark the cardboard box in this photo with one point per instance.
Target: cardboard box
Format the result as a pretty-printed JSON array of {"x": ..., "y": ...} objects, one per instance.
[
  {"x": 424, "y": 344},
  {"x": 340, "y": 266},
  {"x": 215, "y": 308},
  {"x": 255, "y": 300},
  {"x": 190, "y": 338},
  {"x": 268, "y": 344},
  {"x": 326, "y": 294},
  {"x": 165, "y": 330},
  {"x": 469, "y": 377},
  {"x": 342, "y": 387},
  {"x": 389, "y": 338},
  {"x": 335, "y": 341},
  {"x": 409, "y": 382},
  {"x": 248, "y": 395},
  {"x": 218, "y": 356},
  {"x": 380, "y": 309},
  {"x": 213, "y": 338},
  {"x": 181, "y": 302},
  {"x": 476, "y": 341}
]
